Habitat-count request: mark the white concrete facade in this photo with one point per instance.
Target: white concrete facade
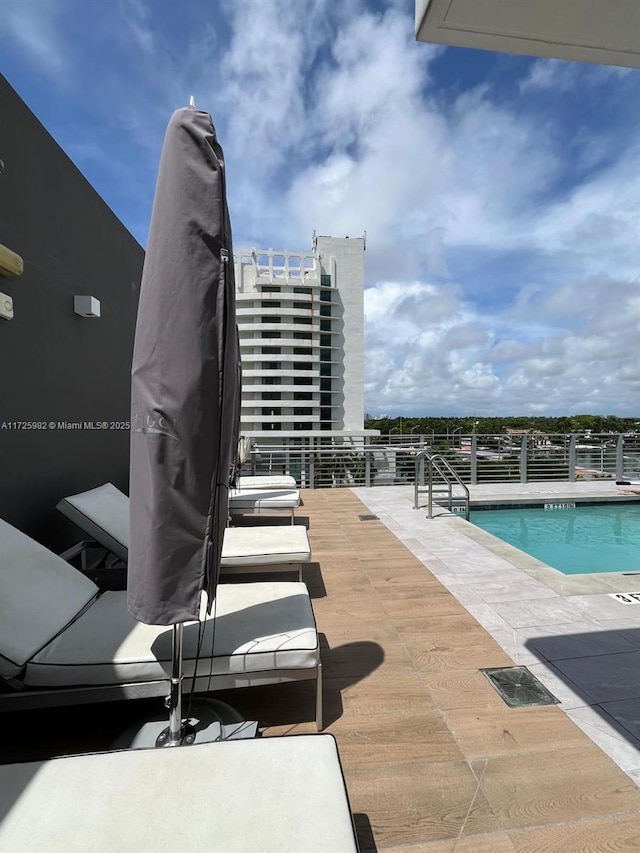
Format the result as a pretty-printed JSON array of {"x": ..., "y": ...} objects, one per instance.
[{"x": 301, "y": 325}]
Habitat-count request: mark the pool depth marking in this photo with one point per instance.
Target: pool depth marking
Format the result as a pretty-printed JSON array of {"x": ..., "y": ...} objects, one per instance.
[{"x": 626, "y": 597}]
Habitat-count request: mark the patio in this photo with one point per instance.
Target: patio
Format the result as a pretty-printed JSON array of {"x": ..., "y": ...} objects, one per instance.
[{"x": 433, "y": 758}]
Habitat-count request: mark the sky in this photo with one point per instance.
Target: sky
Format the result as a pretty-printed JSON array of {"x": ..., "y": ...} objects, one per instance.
[{"x": 500, "y": 195}]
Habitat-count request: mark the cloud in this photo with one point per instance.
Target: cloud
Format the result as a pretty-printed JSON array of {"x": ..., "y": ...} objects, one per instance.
[
  {"x": 519, "y": 359},
  {"x": 595, "y": 224},
  {"x": 422, "y": 179},
  {"x": 503, "y": 250},
  {"x": 560, "y": 76},
  {"x": 336, "y": 124},
  {"x": 139, "y": 20},
  {"x": 33, "y": 26}
]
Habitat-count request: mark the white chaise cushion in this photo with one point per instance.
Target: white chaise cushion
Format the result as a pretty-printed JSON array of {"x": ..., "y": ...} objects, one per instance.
[
  {"x": 277, "y": 794},
  {"x": 39, "y": 595},
  {"x": 267, "y": 481},
  {"x": 258, "y": 626},
  {"x": 264, "y": 499},
  {"x": 248, "y": 546},
  {"x": 104, "y": 514}
]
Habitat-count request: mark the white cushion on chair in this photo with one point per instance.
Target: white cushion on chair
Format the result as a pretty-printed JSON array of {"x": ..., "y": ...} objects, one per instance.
[
  {"x": 104, "y": 514},
  {"x": 39, "y": 595},
  {"x": 258, "y": 626},
  {"x": 268, "y": 481},
  {"x": 248, "y": 546},
  {"x": 264, "y": 499},
  {"x": 280, "y": 794}
]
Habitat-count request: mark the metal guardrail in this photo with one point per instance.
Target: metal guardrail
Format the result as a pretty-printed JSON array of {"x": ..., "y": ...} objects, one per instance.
[{"x": 388, "y": 460}]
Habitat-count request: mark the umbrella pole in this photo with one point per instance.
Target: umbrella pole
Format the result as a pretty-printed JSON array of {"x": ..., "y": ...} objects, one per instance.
[
  {"x": 177, "y": 733},
  {"x": 175, "y": 697}
]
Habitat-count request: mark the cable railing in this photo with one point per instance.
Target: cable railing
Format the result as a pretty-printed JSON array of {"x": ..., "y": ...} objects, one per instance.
[{"x": 321, "y": 462}]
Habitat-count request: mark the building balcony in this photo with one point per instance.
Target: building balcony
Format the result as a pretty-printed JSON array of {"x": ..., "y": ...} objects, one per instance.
[
  {"x": 257, "y": 311},
  {"x": 254, "y": 330},
  {"x": 253, "y": 340},
  {"x": 288, "y": 295},
  {"x": 253, "y": 360},
  {"x": 251, "y": 390},
  {"x": 287, "y": 417}
]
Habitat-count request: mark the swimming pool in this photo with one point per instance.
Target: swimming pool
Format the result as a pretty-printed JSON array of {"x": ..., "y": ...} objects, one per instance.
[{"x": 575, "y": 539}]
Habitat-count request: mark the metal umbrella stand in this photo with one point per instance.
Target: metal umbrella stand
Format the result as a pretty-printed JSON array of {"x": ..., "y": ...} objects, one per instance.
[
  {"x": 184, "y": 393},
  {"x": 178, "y": 732}
]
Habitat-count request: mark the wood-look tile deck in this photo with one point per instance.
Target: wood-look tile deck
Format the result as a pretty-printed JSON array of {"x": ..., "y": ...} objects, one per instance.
[{"x": 434, "y": 761}]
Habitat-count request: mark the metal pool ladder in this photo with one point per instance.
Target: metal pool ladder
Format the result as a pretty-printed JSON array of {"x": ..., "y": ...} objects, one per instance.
[{"x": 440, "y": 473}]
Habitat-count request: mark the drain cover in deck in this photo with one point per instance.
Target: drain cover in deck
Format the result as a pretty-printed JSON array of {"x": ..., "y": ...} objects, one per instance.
[
  {"x": 368, "y": 517},
  {"x": 519, "y": 688}
]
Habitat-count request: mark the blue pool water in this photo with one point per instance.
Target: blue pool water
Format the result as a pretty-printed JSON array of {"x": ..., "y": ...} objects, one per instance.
[{"x": 577, "y": 540}]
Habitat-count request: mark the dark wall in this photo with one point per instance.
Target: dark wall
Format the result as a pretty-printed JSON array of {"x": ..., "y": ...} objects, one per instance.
[{"x": 56, "y": 366}]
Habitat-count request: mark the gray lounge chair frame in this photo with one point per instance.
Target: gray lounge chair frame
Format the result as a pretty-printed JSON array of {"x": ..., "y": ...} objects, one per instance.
[
  {"x": 103, "y": 514},
  {"x": 51, "y": 613},
  {"x": 257, "y": 501}
]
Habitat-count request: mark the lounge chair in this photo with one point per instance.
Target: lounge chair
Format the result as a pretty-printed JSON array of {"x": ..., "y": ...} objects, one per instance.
[
  {"x": 265, "y": 549},
  {"x": 62, "y": 642},
  {"x": 103, "y": 513},
  {"x": 277, "y": 794},
  {"x": 264, "y": 500},
  {"x": 266, "y": 481}
]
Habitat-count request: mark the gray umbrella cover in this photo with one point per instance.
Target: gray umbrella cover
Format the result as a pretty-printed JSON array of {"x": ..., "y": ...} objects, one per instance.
[{"x": 184, "y": 388}]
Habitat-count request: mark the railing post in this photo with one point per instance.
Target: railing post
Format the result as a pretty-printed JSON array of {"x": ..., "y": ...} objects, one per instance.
[
  {"x": 312, "y": 462},
  {"x": 620, "y": 457},
  {"x": 367, "y": 464},
  {"x": 473, "y": 476},
  {"x": 523, "y": 459},
  {"x": 303, "y": 463},
  {"x": 573, "y": 458}
]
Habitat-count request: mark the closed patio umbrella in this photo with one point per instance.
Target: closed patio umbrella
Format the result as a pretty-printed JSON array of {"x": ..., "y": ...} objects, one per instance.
[{"x": 184, "y": 387}]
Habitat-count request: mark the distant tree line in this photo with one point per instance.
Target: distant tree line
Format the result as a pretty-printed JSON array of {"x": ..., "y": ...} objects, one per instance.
[{"x": 495, "y": 426}]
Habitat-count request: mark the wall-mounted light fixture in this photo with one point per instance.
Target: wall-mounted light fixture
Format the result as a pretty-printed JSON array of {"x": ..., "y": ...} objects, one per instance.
[
  {"x": 10, "y": 263},
  {"x": 6, "y": 306},
  {"x": 86, "y": 306}
]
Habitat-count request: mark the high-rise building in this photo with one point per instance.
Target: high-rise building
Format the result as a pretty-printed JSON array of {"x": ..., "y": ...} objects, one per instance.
[{"x": 301, "y": 324}]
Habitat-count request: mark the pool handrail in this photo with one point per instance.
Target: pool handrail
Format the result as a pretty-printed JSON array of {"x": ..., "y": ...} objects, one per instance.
[{"x": 446, "y": 472}]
